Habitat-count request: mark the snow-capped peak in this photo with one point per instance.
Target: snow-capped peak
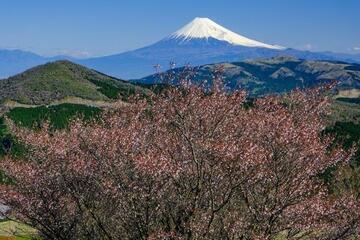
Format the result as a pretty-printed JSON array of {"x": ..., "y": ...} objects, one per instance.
[{"x": 206, "y": 28}]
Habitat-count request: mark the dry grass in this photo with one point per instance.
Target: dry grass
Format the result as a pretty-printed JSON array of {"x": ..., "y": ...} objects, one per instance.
[{"x": 12, "y": 230}]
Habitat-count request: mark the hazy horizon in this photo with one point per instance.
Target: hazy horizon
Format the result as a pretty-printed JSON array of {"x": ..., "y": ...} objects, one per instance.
[{"x": 97, "y": 28}]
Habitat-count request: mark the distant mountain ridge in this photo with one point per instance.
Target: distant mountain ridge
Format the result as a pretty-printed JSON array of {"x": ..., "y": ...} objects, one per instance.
[
  {"x": 16, "y": 61},
  {"x": 202, "y": 41},
  {"x": 274, "y": 75}
]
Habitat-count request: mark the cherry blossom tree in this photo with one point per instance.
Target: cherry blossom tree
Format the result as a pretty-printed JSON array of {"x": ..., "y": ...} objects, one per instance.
[{"x": 186, "y": 164}]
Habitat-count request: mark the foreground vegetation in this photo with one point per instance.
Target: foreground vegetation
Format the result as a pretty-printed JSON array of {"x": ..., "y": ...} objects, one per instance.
[
  {"x": 58, "y": 117},
  {"x": 181, "y": 164},
  {"x": 187, "y": 165}
]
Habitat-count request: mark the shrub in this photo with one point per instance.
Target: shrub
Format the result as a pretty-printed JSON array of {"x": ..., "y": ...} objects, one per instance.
[{"x": 186, "y": 165}]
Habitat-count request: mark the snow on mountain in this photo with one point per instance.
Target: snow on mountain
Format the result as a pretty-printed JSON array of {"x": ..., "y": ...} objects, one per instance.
[{"x": 206, "y": 28}]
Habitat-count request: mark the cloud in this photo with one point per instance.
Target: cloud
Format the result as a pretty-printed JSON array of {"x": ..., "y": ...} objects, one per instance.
[
  {"x": 306, "y": 47},
  {"x": 73, "y": 53},
  {"x": 80, "y": 54},
  {"x": 356, "y": 48},
  {"x": 16, "y": 47}
]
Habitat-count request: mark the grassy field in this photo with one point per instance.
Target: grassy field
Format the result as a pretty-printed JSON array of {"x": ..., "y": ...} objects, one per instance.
[{"x": 11, "y": 230}]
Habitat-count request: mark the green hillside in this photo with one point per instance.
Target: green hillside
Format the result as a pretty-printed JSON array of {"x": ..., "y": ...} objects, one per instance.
[{"x": 58, "y": 80}]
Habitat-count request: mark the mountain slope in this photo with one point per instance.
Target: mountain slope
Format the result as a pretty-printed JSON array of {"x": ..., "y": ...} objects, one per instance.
[
  {"x": 61, "y": 79},
  {"x": 275, "y": 75}
]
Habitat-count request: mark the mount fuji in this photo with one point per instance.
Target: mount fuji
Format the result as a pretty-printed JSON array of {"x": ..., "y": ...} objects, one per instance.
[{"x": 202, "y": 41}]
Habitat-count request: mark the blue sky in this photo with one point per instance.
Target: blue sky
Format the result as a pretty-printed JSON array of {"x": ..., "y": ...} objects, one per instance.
[{"x": 101, "y": 27}]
